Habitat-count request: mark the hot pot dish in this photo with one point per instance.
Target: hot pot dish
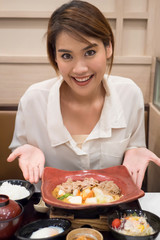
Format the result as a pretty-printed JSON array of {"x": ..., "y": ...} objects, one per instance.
[{"x": 87, "y": 191}]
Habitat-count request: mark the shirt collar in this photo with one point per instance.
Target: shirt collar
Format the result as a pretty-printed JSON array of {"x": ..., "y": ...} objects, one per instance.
[
  {"x": 112, "y": 115},
  {"x": 57, "y": 132},
  {"x": 113, "y": 110}
]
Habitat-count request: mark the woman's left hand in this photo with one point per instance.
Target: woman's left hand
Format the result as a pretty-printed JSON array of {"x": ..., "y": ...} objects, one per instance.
[{"x": 136, "y": 161}]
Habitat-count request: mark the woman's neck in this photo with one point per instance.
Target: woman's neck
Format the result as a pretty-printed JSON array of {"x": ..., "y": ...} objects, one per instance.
[{"x": 66, "y": 94}]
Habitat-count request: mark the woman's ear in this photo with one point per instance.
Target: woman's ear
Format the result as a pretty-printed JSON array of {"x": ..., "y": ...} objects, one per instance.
[{"x": 109, "y": 50}]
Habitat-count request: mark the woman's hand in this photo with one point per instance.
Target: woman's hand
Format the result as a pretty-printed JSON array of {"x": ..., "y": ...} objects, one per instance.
[
  {"x": 136, "y": 161},
  {"x": 31, "y": 161}
]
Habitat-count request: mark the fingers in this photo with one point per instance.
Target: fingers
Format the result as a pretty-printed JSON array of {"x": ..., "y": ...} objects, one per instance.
[
  {"x": 13, "y": 156},
  {"x": 156, "y": 160},
  {"x": 25, "y": 171},
  {"x": 41, "y": 171},
  {"x": 32, "y": 174},
  {"x": 17, "y": 153}
]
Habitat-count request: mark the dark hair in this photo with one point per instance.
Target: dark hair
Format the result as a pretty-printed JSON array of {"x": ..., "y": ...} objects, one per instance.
[{"x": 80, "y": 19}]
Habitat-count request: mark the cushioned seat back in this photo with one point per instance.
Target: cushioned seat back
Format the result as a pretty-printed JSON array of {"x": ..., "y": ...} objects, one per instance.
[{"x": 7, "y": 170}]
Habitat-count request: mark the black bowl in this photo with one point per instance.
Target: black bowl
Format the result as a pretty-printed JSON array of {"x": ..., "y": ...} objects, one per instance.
[
  {"x": 25, "y": 232},
  {"x": 152, "y": 219},
  {"x": 30, "y": 187}
]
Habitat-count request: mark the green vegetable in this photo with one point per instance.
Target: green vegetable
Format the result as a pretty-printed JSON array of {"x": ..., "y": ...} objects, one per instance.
[
  {"x": 134, "y": 214},
  {"x": 64, "y": 196}
]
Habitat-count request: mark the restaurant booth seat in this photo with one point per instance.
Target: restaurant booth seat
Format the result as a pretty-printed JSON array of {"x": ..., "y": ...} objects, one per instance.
[
  {"x": 7, "y": 170},
  {"x": 7, "y": 121}
]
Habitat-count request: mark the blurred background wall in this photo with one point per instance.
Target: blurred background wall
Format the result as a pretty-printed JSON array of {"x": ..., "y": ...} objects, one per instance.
[{"x": 23, "y": 58}]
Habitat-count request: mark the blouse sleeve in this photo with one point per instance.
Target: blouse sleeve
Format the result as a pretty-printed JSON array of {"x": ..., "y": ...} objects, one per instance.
[
  {"x": 19, "y": 135},
  {"x": 137, "y": 138}
]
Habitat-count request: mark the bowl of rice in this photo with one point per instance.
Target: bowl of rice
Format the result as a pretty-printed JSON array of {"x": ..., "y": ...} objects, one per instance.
[
  {"x": 134, "y": 224},
  {"x": 18, "y": 190}
]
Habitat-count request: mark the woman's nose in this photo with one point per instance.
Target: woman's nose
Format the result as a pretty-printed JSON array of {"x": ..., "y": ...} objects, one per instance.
[{"x": 80, "y": 67}]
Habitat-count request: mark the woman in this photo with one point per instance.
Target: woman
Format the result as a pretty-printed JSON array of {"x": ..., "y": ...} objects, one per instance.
[{"x": 83, "y": 119}]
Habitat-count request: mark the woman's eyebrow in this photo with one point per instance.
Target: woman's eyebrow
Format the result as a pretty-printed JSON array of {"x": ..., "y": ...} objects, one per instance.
[
  {"x": 86, "y": 48},
  {"x": 90, "y": 46},
  {"x": 64, "y": 50}
]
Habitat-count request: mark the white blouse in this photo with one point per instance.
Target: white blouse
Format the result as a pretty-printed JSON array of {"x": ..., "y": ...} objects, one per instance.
[
  {"x": 121, "y": 126},
  {"x": 79, "y": 139}
]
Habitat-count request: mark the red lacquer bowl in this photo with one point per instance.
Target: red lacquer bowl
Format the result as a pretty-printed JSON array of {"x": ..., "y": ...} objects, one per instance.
[
  {"x": 8, "y": 208},
  {"x": 11, "y": 214}
]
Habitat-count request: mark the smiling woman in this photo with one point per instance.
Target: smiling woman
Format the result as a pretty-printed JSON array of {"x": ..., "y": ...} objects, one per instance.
[
  {"x": 74, "y": 18},
  {"x": 84, "y": 118}
]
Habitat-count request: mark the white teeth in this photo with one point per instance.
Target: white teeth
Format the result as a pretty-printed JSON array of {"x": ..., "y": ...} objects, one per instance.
[{"x": 82, "y": 79}]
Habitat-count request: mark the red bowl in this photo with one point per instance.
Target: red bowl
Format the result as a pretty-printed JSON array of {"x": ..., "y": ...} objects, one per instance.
[
  {"x": 8, "y": 208},
  {"x": 119, "y": 174},
  {"x": 9, "y": 226}
]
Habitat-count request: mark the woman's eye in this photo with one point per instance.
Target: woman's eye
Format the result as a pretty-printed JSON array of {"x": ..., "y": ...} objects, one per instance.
[
  {"x": 66, "y": 56},
  {"x": 90, "y": 53}
]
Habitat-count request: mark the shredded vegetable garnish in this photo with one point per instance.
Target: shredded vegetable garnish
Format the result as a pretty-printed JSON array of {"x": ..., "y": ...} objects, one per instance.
[{"x": 133, "y": 225}]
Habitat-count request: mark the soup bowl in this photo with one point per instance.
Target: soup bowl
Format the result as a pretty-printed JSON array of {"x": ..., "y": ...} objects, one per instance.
[{"x": 11, "y": 214}]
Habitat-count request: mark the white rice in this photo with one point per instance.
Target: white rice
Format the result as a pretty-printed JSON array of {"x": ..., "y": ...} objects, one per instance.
[{"x": 14, "y": 192}]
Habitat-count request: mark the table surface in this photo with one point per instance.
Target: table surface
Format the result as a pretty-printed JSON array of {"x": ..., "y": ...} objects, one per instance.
[{"x": 149, "y": 202}]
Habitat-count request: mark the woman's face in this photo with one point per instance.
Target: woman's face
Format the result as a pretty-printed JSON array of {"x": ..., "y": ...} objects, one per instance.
[{"x": 81, "y": 64}]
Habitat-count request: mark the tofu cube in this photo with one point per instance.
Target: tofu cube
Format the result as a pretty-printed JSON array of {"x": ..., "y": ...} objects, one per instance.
[
  {"x": 75, "y": 199},
  {"x": 92, "y": 200}
]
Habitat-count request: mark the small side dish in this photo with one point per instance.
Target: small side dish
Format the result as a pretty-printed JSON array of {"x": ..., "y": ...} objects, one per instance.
[
  {"x": 41, "y": 206},
  {"x": 87, "y": 191},
  {"x": 85, "y": 237},
  {"x": 84, "y": 234},
  {"x": 133, "y": 225}
]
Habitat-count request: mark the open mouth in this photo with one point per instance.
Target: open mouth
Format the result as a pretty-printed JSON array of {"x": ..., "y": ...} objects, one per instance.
[{"x": 83, "y": 80}]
